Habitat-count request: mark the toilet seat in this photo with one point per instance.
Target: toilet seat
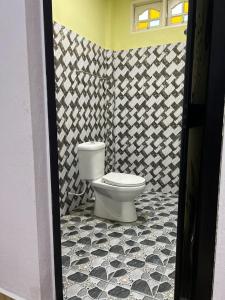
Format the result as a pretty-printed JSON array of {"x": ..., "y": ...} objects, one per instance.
[{"x": 123, "y": 180}]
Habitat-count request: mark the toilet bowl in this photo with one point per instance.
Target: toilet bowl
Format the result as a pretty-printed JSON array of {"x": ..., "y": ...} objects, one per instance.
[
  {"x": 114, "y": 192},
  {"x": 115, "y": 200}
]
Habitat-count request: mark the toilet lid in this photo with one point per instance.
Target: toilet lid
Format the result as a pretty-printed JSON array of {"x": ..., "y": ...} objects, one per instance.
[{"x": 122, "y": 179}]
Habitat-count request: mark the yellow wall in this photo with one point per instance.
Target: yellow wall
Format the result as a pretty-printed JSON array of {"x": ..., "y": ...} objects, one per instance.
[
  {"x": 123, "y": 37},
  {"x": 86, "y": 17},
  {"x": 108, "y": 24}
]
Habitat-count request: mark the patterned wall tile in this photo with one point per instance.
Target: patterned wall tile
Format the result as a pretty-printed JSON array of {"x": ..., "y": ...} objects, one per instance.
[
  {"x": 131, "y": 100},
  {"x": 83, "y": 99},
  {"x": 148, "y": 110}
]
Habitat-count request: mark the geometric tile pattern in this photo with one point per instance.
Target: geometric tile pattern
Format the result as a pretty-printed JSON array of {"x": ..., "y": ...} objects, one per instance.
[
  {"x": 103, "y": 259},
  {"x": 82, "y": 103},
  {"x": 131, "y": 100},
  {"x": 148, "y": 96}
]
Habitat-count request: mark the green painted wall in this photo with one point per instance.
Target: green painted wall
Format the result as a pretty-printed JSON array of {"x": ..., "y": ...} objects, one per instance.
[{"x": 108, "y": 24}]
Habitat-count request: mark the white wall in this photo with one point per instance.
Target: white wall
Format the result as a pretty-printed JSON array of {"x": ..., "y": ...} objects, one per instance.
[
  {"x": 219, "y": 272},
  {"x": 26, "y": 258}
]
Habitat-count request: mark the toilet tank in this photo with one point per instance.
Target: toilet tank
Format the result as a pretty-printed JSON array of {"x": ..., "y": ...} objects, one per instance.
[{"x": 91, "y": 160}]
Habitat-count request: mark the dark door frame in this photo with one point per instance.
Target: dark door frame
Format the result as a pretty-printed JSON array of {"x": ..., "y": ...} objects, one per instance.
[
  {"x": 210, "y": 162},
  {"x": 53, "y": 144},
  {"x": 199, "y": 224}
]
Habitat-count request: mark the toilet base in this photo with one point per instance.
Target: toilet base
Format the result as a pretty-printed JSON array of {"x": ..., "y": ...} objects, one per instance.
[
  {"x": 114, "y": 202},
  {"x": 108, "y": 208}
]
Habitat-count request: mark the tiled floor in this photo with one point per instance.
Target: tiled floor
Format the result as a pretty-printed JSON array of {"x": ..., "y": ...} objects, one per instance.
[{"x": 110, "y": 260}]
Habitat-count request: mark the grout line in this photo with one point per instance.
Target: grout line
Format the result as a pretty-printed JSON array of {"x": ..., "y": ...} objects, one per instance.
[{"x": 87, "y": 73}]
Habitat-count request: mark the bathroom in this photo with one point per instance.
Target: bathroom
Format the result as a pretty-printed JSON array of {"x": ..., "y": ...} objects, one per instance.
[{"x": 119, "y": 80}]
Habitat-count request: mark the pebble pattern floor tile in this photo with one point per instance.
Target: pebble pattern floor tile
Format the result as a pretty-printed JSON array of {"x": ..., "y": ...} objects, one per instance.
[{"x": 103, "y": 259}]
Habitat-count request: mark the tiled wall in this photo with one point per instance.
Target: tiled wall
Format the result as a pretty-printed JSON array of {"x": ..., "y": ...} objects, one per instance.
[
  {"x": 82, "y": 99},
  {"x": 148, "y": 97},
  {"x": 132, "y": 100}
]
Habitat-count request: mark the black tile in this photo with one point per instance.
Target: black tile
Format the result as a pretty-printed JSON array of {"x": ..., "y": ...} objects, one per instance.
[
  {"x": 142, "y": 287},
  {"x": 173, "y": 234},
  {"x": 154, "y": 259},
  {"x": 99, "y": 235},
  {"x": 156, "y": 276},
  {"x": 141, "y": 219},
  {"x": 101, "y": 241},
  {"x": 86, "y": 227},
  {"x": 75, "y": 298},
  {"x": 156, "y": 226},
  {"x": 115, "y": 263},
  {"x": 148, "y": 208},
  {"x": 172, "y": 260},
  {"x": 95, "y": 292},
  {"x": 147, "y": 243},
  {"x": 81, "y": 261},
  {"x": 119, "y": 292},
  {"x": 130, "y": 243},
  {"x": 155, "y": 219},
  {"x": 90, "y": 219},
  {"x": 131, "y": 232},
  {"x": 120, "y": 273},
  {"x": 101, "y": 225},
  {"x": 117, "y": 249},
  {"x": 75, "y": 219},
  {"x": 136, "y": 263},
  {"x": 163, "y": 239},
  {"x": 72, "y": 233},
  {"x": 145, "y": 232},
  {"x": 169, "y": 204},
  {"x": 68, "y": 244},
  {"x": 134, "y": 249},
  {"x": 81, "y": 253},
  {"x": 84, "y": 241},
  {"x": 78, "y": 277},
  {"x": 99, "y": 272},
  {"x": 172, "y": 275},
  {"x": 71, "y": 227},
  {"x": 161, "y": 208},
  {"x": 65, "y": 261},
  {"x": 169, "y": 224},
  {"x": 99, "y": 252},
  {"x": 163, "y": 214},
  {"x": 142, "y": 227},
  {"x": 166, "y": 252},
  {"x": 164, "y": 287},
  {"x": 116, "y": 225},
  {"x": 115, "y": 234}
]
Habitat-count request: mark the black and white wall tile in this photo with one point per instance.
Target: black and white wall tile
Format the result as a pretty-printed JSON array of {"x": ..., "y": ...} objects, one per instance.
[
  {"x": 83, "y": 103},
  {"x": 131, "y": 100},
  {"x": 147, "y": 124}
]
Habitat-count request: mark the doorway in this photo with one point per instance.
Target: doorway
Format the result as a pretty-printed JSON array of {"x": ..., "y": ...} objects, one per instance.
[{"x": 101, "y": 276}]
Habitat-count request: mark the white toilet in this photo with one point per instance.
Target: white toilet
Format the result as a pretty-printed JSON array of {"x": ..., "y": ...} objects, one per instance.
[{"x": 114, "y": 192}]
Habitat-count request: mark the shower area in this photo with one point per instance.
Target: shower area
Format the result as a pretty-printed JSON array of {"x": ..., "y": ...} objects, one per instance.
[{"x": 130, "y": 99}]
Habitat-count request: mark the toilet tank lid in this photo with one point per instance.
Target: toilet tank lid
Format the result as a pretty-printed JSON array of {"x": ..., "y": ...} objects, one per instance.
[
  {"x": 91, "y": 146},
  {"x": 123, "y": 180}
]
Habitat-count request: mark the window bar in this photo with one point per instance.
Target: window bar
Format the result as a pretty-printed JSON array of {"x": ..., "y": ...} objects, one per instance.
[{"x": 164, "y": 13}]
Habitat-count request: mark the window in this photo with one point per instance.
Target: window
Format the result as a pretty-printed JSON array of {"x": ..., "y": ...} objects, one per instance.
[
  {"x": 148, "y": 16},
  {"x": 177, "y": 12},
  {"x": 152, "y": 14}
]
